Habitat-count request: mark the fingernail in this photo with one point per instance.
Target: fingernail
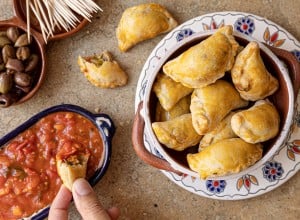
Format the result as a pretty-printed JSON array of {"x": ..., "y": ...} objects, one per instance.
[{"x": 82, "y": 187}]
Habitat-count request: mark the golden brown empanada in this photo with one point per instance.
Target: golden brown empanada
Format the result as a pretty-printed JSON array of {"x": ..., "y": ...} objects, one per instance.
[
  {"x": 143, "y": 22},
  {"x": 71, "y": 168},
  {"x": 178, "y": 133},
  {"x": 221, "y": 132},
  {"x": 224, "y": 157},
  {"x": 250, "y": 76},
  {"x": 205, "y": 62},
  {"x": 168, "y": 91},
  {"x": 258, "y": 123},
  {"x": 182, "y": 107},
  {"x": 210, "y": 104},
  {"x": 102, "y": 70}
]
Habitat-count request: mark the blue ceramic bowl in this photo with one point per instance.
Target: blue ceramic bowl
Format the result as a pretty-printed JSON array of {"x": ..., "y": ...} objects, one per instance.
[{"x": 102, "y": 121}]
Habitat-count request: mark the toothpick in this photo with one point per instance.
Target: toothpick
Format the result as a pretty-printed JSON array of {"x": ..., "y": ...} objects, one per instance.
[{"x": 28, "y": 20}]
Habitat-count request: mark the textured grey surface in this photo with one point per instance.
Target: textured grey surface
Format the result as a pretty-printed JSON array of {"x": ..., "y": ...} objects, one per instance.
[{"x": 140, "y": 191}]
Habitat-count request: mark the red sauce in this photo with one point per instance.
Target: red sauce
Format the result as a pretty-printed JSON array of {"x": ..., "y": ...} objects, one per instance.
[{"x": 28, "y": 175}]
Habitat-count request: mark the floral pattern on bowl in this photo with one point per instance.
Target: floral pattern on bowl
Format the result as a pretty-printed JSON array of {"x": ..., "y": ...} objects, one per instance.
[{"x": 286, "y": 161}]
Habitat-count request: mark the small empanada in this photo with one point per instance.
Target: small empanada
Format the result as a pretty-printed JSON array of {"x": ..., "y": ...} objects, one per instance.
[
  {"x": 257, "y": 124},
  {"x": 224, "y": 157},
  {"x": 210, "y": 104},
  {"x": 71, "y": 168},
  {"x": 102, "y": 70},
  {"x": 182, "y": 107},
  {"x": 168, "y": 91},
  {"x": 205, "y": 62},
  {"x": 250, "y": 76},
  {"x": 221, "y": 132},
  {"x": 178, "y": 133},
  {"x": 143, "y": 22}
]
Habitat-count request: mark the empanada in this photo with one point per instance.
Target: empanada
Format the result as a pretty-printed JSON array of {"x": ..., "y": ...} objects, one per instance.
[
  {"x": 178, "y": 133},
  {"x": 143, "y": 22},
  {"x": 72, "y": 167},
  {"x": 182, "y": 107},
  {"x": 224, "y": 157},
  {"x": 205, "y": 62},
  {"x": 210, "y": 104},
  {"x": 258, "y": 123},
  {"x": 168, "y": 91},
  {"x": 221, "y": 132},
  {"x": 102, "y": 70},
  {"x": 250, "y": 76}
]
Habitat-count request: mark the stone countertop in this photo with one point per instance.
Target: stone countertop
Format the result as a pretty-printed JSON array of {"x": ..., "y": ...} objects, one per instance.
[{"x": 141, "y": 191}]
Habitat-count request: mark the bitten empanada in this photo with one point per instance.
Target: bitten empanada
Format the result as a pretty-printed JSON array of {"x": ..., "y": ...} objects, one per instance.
[
  {"x": 221, "y": 132},
  {"x": 143, "y": 22},
  {"x": 102, "y": 70},
  {"x": 178, "y": 133},
  {"x": 168, "y": 91},
  {"x": 250, "y": 76},
  {"x": 205, "y": 62},
  {"x": 72, "y": 167},
  {"x": 224, "y": 157},
  {"x": 258, "y": 123},
  {"x": 210, "y": 104},
  {"x": 182, "y": 107}
]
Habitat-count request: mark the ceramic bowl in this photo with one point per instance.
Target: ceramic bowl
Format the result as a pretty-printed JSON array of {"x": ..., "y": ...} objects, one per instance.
[
  {"x": 106, "y": 130},
  {"x": 283, "y": 99},
  {"x": 38, "y": 44}
]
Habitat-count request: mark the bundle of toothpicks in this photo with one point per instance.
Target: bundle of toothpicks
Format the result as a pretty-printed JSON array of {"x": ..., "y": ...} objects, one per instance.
[{"x": 59, "y": 14}]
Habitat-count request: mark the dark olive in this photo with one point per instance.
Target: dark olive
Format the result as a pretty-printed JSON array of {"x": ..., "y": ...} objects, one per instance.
[
  {"x": 4, "y": 40},
  {"x": 22, "y": 79},
  {"x": 23, "y": 53},
  {"x": 14, "y": 64},
  {"x": 6, "y": 100},
  {"x": 8, "y": 51},
  {"x": 2, "y": 67},
  {"x": 6, "y": 82},
  {"x": 13, "y": 33},
  {"x": 22, "y": 41},
  {"x": 32, "y": 63}
]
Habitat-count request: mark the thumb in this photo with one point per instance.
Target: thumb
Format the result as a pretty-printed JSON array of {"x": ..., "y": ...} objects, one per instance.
[{"x": 86, "y": 201}]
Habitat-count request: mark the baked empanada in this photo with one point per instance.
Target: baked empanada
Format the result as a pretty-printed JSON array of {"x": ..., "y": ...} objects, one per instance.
[
  {"x": 205, "y": 62},
  {"x": 143, "y": 22},
  {"x": 178, "y": 133},
  {"x": 182, "y": 107},
  {"x": 258, "y": 123},
  {"x": 168, "y": 91},
  {"x": 221, "y": 132},
  {"x": 71, "y": 167},
  {"x": 210, "y": 104},
  {"x": 102, "y": 70},
  {"x": 250, "y": 76},
  {"x": 224, "y": 157}
]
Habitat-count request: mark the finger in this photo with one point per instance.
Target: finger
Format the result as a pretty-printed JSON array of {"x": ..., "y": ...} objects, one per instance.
[
  {"x": 60, "y": 205},
  {"x": 87, "y": 202},
  {"x": 114, "y": 213}
]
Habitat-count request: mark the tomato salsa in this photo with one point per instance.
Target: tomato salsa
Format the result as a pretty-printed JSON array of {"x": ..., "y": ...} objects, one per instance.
[{"x": 28, "y": 175}]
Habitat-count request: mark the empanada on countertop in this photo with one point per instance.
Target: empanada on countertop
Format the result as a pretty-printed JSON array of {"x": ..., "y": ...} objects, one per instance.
[
  {"x": 258, "y": 123},
  {"x": 182, "y": 107},
  {"x": 210, "y": 104},
  {"x": 205, "y": 62},
  {"x": 143, "y": 22},
  {"x": 178, "y": 133},
  {"x": 250, "y": 76},
  {"x": 221, "y": 132},
  {"x": 102, "y": 71},
  {"x": 224, "y": 157},
  {"x": 168, "y": 91}
]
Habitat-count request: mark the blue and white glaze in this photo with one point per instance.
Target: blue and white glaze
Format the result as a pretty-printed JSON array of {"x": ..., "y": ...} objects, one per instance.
[{"x": 286, "y": 160}]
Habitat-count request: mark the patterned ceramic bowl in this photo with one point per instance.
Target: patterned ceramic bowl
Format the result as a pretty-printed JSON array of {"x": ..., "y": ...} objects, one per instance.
[
  {"x": 104, "y": 127},
  {"x": 283, "y": 99}
]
